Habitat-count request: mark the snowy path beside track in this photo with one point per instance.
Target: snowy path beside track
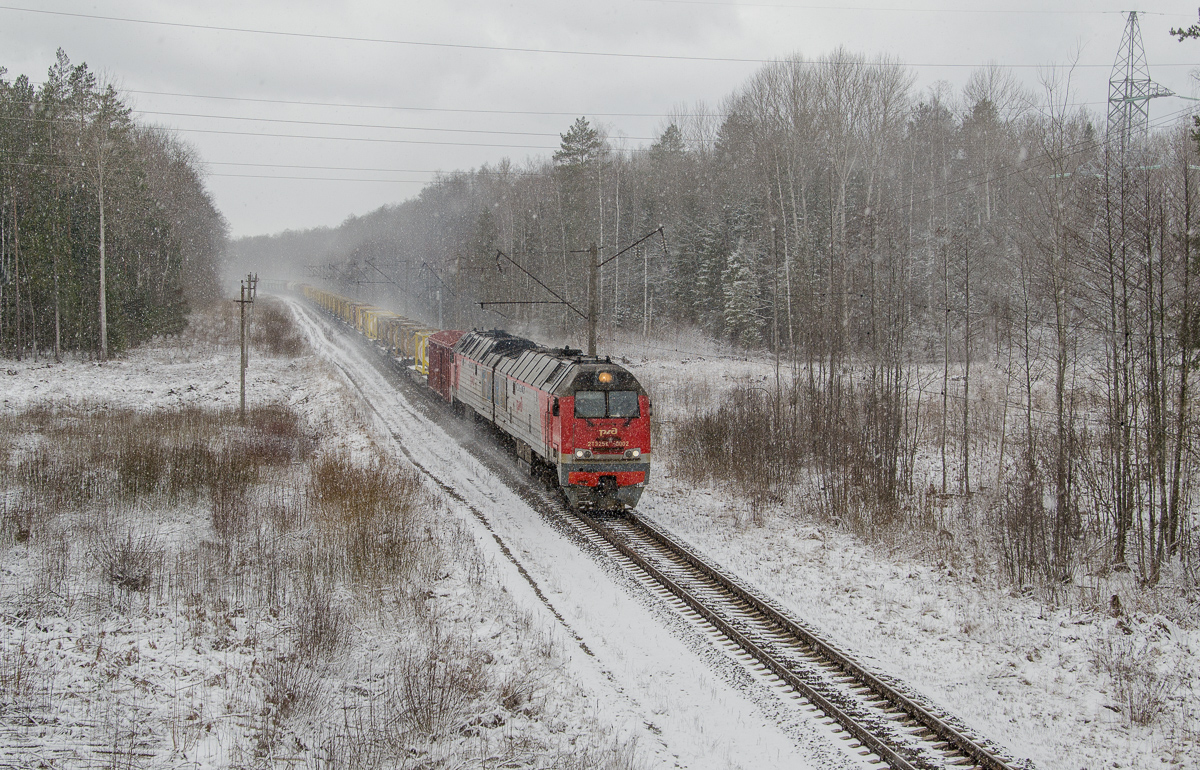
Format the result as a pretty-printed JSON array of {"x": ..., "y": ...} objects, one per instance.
[{"x": 646, "y": 680}]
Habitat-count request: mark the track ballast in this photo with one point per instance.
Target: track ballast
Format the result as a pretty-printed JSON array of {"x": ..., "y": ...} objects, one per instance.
[{"x": 888, "y": 724}]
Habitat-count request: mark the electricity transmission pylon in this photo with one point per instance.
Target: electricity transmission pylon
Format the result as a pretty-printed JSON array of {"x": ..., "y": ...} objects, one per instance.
[{"x": 1130, "y": 90}]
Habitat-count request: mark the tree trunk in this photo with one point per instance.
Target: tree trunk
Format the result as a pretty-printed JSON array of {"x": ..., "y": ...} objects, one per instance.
[
  {"x": 966, "y": 430},
  {"x": 17, "y": 275},
  {"x": 103, "y": 306}
]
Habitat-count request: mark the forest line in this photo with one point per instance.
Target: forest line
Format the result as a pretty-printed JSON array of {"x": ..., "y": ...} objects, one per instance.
[
  {"x": 107, "y": 233},
  {"x": 828, "y": 214}
]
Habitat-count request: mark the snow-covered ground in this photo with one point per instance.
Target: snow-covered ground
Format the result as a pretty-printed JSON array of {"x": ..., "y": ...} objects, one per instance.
[
  {"x": 1033, "y": 676},
  {"x": 191, "y": 671},
  {"x": 647, "y": 678},
  {"x": 611, "y": 668},
  {"x": 137, "y": 678}
]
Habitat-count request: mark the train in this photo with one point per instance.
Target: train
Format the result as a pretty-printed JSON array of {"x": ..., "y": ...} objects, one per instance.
[{"x": 582, "y": 421}]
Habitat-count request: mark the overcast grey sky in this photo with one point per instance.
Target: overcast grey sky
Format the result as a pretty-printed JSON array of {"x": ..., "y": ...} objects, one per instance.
[{"x": 428, "y": 86}]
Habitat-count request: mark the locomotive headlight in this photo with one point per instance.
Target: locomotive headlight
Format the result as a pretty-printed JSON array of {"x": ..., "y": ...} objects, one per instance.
[
  {"x": 605, "y": 377},
  {"x": 633, "y": 454},
  {"x": 582, "y": 454}
]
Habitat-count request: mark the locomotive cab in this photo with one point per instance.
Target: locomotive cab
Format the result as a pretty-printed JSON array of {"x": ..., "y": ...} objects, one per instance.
[{"x": 604, "y": 455}]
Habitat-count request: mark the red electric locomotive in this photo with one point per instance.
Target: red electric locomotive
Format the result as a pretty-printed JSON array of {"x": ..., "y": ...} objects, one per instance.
[{"x": 583, "y": 417}]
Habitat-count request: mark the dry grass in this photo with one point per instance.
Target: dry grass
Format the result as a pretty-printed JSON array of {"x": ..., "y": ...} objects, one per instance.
[
  {"x": 81, "y": 458},
  {"x": 764, "y": 446},
  {"x": 375, "y": 510},
  {"x": 275, "y": 552},
  {"x": 270, "y": 328},
  {"x": 1142, "y": 682},
  {"x": 439, "y": 686},
  {"x": 127, "y": 560},
  {"x": 273, "y": 331}
]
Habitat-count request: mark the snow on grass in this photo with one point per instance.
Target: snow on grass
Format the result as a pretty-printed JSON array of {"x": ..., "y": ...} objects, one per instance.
[
  {"x": 222, "y": 625},
  {"x": 1068, "y": 683},
  {"x": 178, "y": 589}
]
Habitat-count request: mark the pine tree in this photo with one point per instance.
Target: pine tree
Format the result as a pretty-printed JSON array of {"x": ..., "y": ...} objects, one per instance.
[
  {"x": 669, "y": 144},
  {"x": 581, "y": 146},
  {"x": 741, "y": 297}
]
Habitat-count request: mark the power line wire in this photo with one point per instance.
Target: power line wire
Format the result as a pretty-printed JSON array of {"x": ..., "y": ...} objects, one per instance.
[
  {"x": 878, "y": 8},
  {"x": 69, "y": 121},
  {"x": 497, "y": 48},
  {"x": 455, "y": 110},
  {"x": 381, "y": 140},
  {"x": 190, "y": 171},
  {"x": 367, "y": 125},
  {"x": 409, "y": 108},
  {"x": 318, "y": 178}
]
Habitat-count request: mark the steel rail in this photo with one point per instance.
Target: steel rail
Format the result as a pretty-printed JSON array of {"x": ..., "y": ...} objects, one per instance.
[
  {"x": 939, "y": 727},
  {"x": 847, "y": 722}
]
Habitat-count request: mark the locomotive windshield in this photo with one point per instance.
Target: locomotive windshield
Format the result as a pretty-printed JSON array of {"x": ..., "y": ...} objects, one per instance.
[
  {"x": 623, "y": 403},
  {"x": 593, "y": 404}
]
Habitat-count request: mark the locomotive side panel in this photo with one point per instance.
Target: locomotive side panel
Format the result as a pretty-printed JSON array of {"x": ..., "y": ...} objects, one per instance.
[{"x": 471, "y": 388}]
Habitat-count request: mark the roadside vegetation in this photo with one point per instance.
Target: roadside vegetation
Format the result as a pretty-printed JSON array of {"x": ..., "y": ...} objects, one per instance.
[{"x": 179, "y": 586}]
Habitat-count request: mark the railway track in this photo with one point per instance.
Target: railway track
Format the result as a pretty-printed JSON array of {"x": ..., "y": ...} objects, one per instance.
[
  {"x": 888, "y": 726},
  {"x": 891, "y": 726}
]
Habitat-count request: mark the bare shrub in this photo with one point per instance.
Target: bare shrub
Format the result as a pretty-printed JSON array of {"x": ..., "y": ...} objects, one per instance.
[
  {"x": 211, "y": 325},
  {"x": 1141, "y": 681},
  {"x": 181, "y": 453},
  {"x": 275, "y": 437},
  {"x": 284, "y": 507},
  {"x": 438, "y": 686},
  {"x": 517, "y": 689},
  {"x": 58, "y": 477},
  {"x": 141, "y": 461},
  {"x": 192, "y": 467},
  {"x": 127, "y": 560},
  {"x": 320, "y": 622},
  {"x": 54, "y": 573},
  {"x": 761, "y": 444},
  {"x": 289, "y": 685},
  {"x": 333, "y": 484},
  {"x": 23, "y": 682},
  {"x": 16, "y": 520},
  {"x": 1023, "y": 526},
  {"x": 229, "y": 507},
  {"x": 274, "y": 330},
  {"x": 373, "y": 508},
  {"x": 196, "y": 581}
]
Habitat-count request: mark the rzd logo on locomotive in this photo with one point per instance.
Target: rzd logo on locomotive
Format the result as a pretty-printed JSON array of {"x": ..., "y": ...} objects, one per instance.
[{"x": 608, "y": 432}]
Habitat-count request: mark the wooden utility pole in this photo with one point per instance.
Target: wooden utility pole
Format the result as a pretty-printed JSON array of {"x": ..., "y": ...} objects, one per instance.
[
  {"x": 249, "y": 287},
  {"x": 593, "y": 296}
]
